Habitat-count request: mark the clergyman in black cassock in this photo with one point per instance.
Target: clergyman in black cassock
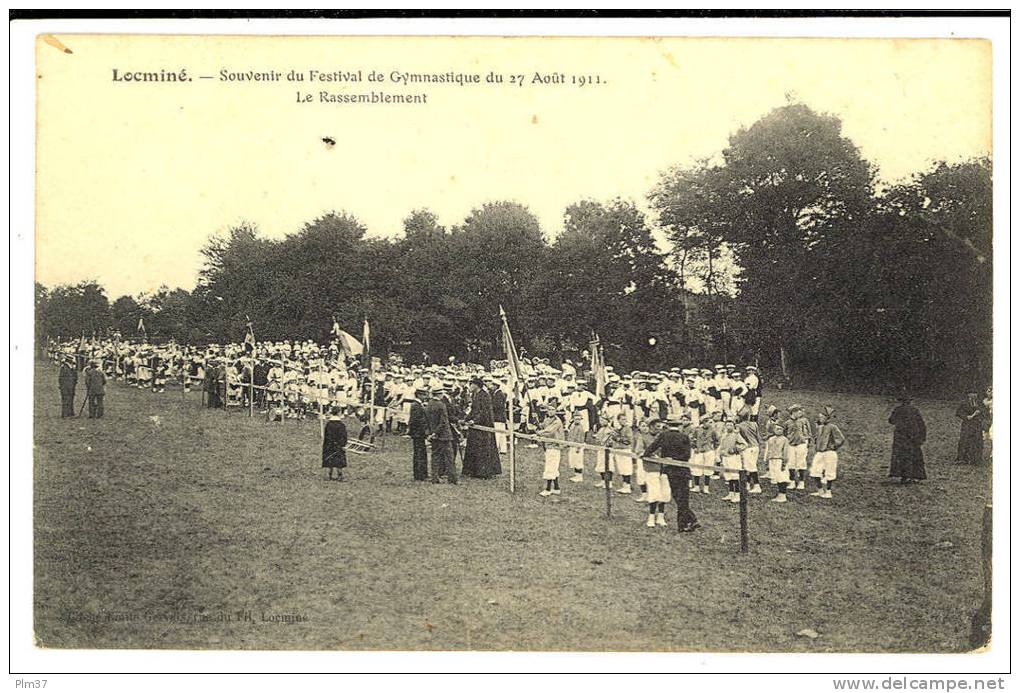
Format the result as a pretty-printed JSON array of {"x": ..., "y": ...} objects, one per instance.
[
  {"x": 481, "y": 457},
  {"x": 909, "y": 433}
]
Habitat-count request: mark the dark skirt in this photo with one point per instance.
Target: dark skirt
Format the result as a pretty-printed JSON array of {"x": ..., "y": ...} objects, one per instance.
[
  {"x": 481, "y": 457},
  {"x": 971, "y": 446},
  {"x": 907, "y": 460},
  {"x": 335, "y": 459}
]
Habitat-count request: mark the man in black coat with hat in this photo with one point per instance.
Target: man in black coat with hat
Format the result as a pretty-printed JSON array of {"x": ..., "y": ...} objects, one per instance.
[
  {"x": 675, "y": 444},
  {"x": 442, "y": 438},
  {"x": 418, "y": 431},
  {"x": 67, "y": 381}
]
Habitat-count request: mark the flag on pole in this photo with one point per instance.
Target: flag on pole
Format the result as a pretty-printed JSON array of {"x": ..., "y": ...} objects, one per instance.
[
  {"x": 249, "y": 337},
  {"x": 141, "y": 329},
  {"x": 346, "y": 342},
  {"x": 81, "y": 343},
  {"x": 366, "y": 338},
  {"x": 598, "y": 366},
  {"x": 516, "y": 374}
]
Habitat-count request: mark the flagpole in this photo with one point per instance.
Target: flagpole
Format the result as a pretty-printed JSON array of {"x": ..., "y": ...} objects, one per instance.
[
  {"x": 512, "y": 448},
  {"x": 251, "y": 389}
]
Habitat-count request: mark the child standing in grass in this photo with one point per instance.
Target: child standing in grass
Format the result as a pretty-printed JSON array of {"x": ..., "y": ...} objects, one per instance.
[
  {"x": 748, "y": 430},
  {"x": 334, "y": 445},
  {"x": 552, "y": 427},
  {"x": 647, "y": 432},
  {"x": 603, "y": 437},
  {"x": 798, "y": 432},
  {"x": 705, "y": 441},
  {"x": 828, "y": 439},
  {"x": 575, "y": 455},
  {"x": 622, "y": 439},
  {"x": 776, "y": 452},
  {"x": 730, "y": 447}
]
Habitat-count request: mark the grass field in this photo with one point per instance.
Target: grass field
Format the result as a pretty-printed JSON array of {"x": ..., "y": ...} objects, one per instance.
[{"x": 202, "y": 529}]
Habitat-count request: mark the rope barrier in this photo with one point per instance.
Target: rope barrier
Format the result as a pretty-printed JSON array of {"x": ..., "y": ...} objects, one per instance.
[
  {"x": 667, "y": 461},
  {"x": 362, "y": 447}
]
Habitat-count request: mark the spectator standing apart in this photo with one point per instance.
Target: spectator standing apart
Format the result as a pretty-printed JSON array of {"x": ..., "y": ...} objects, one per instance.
[
  {"x": 334, "y": 445},
  {"x": 909, "y": 434},
  {"x": 67, "y": 381},
  {"x": 972, "y": 416},
  {"x": 95, "y": 389}
]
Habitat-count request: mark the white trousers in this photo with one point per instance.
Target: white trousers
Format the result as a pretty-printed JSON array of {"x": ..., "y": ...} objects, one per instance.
[
  {"x": 502, "y": 443},
  {"x": 551, "y": 470},
  {"x": 823, "y": 465}
]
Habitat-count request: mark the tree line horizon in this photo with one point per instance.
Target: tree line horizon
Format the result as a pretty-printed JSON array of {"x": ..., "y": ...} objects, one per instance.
[{"x": 801, "y": 260}]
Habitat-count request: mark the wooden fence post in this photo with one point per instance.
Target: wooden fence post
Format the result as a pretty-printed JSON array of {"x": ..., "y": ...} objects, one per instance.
[
  {"x": 743, "y": 511},
  {"x": 609, "y": 487}
]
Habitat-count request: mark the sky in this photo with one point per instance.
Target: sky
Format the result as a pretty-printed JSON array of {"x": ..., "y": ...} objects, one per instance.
[{"x": 133, "y": 177}]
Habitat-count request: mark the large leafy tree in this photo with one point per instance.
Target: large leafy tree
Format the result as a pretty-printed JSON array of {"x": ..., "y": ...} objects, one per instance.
[
  {"x": 424, "y": 289},
  {"x": 497, "y": 254},
  {"x": 70, "y": 311},
  {"x": 924, "y": 292},
  {"x": 606, "y": 274},
  {"x": 792, "y": 187}
]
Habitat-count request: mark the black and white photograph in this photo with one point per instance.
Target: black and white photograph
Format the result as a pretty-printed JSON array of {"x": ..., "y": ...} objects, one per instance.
[{"x": 510, "y": 343}]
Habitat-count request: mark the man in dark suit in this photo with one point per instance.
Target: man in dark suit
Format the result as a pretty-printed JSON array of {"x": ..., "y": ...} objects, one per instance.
[
  {"x": 418, "y": 431},
  {"x": 67, "y": 380},
  {"x": 441, "y": 437},
  {"x": 95, "y": 389},
  {"x": 675, "y": 444},
  {"x": 212, "y": 376},
  {"x": 261, "y": 375}
]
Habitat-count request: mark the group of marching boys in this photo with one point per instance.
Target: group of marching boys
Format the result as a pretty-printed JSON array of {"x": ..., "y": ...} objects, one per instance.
[
  {"x": 716, "y": 411},
  {"x": 713, "y": 444}
]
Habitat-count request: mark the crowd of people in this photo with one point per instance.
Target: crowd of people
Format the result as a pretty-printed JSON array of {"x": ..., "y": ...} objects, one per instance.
[{"x": 668, "y": 433}]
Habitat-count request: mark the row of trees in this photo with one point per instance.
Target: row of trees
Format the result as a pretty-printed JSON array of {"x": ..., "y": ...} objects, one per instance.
[{"x": 781, "y": 249}]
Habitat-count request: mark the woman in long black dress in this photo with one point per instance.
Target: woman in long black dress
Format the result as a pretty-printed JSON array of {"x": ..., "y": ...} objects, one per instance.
[
  {"x": 909, "y": 433},
  {"x": 334, "y": 445},
  {"x": 971, "y": 414}
]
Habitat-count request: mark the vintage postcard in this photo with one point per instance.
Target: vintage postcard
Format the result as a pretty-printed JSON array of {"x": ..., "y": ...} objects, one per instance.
[{"x": 513, "y": 343}]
